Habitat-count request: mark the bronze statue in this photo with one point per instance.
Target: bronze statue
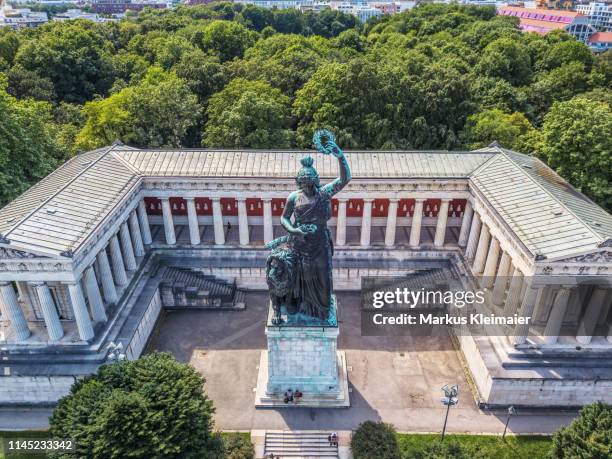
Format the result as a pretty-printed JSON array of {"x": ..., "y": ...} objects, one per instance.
[{"x": 299, "y": 269}]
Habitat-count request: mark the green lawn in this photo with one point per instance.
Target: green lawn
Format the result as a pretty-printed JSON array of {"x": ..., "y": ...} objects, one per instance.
[{"x": 477, "y": 446}]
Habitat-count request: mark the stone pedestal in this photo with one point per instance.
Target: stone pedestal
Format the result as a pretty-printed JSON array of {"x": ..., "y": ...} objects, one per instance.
[{"x": 305, "y": 358}]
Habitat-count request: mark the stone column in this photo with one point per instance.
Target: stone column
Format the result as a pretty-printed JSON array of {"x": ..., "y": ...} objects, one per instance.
[
  {"x": 192, "y": 217},
  {"x": 268, "y": 224},
  {"x": 117, "y": 260},
  {"x": 341, "y": 223},
  {"x": 521, "y": 331},
  {"x": 243, "y": 222},
  {"x": 136, "y": 235},
  {"x": 441, "y": 223},
  {"x": 218, "y": 221},
  {"x": 481, "y": 252},
  {"x": 12, "y": 311},
  {"x": 491, "y": 264},
  {"x": 465, "y": 224},
  {"x": 366, "y": 222},
  {"x": 501, "y": 280},
  {"x": 128, "y": 250},
  {"x": 106, "y": 276},
  {"x": 557, "y": 313},
  {"x": 415, "y": 228},
  {"x": 591, "y": 315},
  {"x": 514, "y": 292},
  {"x": 391, "y": 222},
  {"x": 168, "y": 221},
  {"x": 81, "y": 315},
  {"x": 94, "y": 296},
  {"x": 52, "y": 321},
  {"x": 470, "y": 250},
  {"x": 144, "y": 223}
]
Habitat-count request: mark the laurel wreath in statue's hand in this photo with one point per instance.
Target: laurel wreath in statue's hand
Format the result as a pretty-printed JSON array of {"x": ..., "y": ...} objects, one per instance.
[{"x": 325, "y": 142}]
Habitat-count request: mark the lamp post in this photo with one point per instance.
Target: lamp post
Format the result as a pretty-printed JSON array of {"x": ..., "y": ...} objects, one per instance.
[
  {"x": 449, "y": 399},
  {"x": 511, "y": 412}
]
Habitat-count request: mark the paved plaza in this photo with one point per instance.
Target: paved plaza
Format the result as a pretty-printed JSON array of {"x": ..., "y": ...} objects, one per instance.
[{"x": 394, "y": 379}]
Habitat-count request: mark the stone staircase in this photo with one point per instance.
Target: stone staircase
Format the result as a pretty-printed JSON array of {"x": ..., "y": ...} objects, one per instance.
[
  {"x": 303, "y": 444},
  {"x": 189, "y": 288}
]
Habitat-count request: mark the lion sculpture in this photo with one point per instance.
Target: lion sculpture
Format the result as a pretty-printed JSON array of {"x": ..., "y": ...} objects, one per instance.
[{"x": 280, "y": 276}]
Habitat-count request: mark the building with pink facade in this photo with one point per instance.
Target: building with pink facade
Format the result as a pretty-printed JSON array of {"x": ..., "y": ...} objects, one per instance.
[{"x": 543, "y": 21}]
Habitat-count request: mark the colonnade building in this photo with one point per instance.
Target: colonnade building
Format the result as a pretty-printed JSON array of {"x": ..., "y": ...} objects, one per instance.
[{"x": 80, "y": 250}]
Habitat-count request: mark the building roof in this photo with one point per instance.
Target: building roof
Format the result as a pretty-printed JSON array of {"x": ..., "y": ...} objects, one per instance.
[
  {"x": 537, "y": 25},
  {"x": 549, "y": 216},
  {"x": 284, "y": 164},
  {"x": 517, "y": 10},
  {"x": 600, "y": 37}
]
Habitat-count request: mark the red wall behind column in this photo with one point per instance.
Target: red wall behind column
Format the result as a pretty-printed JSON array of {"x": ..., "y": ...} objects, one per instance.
[
  {"x": 431, "y": 207},
  {"x": 178, "y": 206},
  {"x": 229, "y": 206},
  {"x": 456, "y": 207},
  {"x": 354, "y": 208},
  {"x": 203, "y": 206},
  {"x": 380, "y": 207},
  {"x": 153, "y": 206},
  {"x": 405, "y": 208},
  {"x": 278, "y": 206},
  {"x": 254, "y": 207}
]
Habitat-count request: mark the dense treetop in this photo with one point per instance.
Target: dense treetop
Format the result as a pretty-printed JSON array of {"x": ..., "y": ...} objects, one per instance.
[
  {"x": 229, "y": 75},
  {"x": 153, "y": 407}
]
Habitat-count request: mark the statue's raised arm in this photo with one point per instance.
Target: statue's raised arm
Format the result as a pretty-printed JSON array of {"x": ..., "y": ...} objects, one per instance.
[
  {"x": 299, "y": 269},
  {"x": 325, "y": 142}
]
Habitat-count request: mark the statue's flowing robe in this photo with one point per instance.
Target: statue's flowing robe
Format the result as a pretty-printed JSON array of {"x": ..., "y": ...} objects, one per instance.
[{"x": 314, "y": 266}]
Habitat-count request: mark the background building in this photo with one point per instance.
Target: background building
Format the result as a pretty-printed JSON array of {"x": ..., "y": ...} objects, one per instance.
[
  {"x": 543, "y": 21},
  {"x": 600, "y": 41},
  {"x": 600, "y": 14},
  {"x": 21, "y": 18}
]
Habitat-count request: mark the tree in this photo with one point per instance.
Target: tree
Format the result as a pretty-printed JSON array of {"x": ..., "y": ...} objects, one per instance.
[
  {"x": 286, "y": 61},
  {"x": 492, "y": 93},
  {"x": 160, "y": 111},
  {"x": 204, "y": 74},
  {"x": 248, "y": 114},
  {"x": 237, "y": 446},
  {"x": 73, "y": 57},
  {"x": 506, "y": 58},
  {"x": 559, "y": 84},
  {"x": 256, "y": 17},
  {"x": 588, "y": 436},
  {"x": 375, "y": 439},
  {"x": 509, "y": 130},
  {"x": 576, "y": 141},
  {"x": 566, "y": 52},
  {"x": 160, "y": 48},
  {"x": 328, "y": 23},
  {"x": 351, "y": 39},
  {"x": 9, "y": 44},
  {"x": 348, "y": 98},
  {"x": 153, "y": 407},
  {"x": 29, "y": 149},
  {"x": 25, "y": 84},
  {"x": 226, "y": 40}
]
